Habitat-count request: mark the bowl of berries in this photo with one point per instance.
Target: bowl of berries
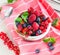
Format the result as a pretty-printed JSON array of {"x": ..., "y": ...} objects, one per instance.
[{"x": 32, "y": 25}]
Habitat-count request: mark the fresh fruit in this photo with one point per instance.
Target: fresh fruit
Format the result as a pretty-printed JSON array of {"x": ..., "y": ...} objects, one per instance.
[
  {"x": 39, "y": 32},
  {"x": 29, "y": 32},
  {"x": 33, "y": 34},
  {"x": 32, "y": 18},
  {"x": 56, "y": 23},
  {"x": 24, "y": 25},
  {"x": 37, "y": 13},
  {"x": 29, "y": 27},
  {"x": 24, "y": 31},
  {"x": 51, "y": 48},
  {"x": 50, "y": 44},
  {"x": 30, "y": 10},
  {"x": 44, "y": 18},
  {"x": 25, "y": 16},
  {"x": 37, "y": 51},
  {"x": 35, "y": 26},
  {"x": 20, "y": 27},
  {"x": 38, "y": 20},
  {"x": 32, "y": 23}
]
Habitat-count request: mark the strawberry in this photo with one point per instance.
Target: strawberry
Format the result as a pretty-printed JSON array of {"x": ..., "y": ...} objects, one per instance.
[
  {"x": 56, "y": 23},
  {"x": 35, "y": 26},
  {"x": 32, "y": 18}
]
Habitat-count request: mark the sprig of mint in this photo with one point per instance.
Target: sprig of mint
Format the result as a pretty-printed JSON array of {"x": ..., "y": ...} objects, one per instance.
[
  {"x": 25, "y": 16},
  {"x": 19, "y": 19},
  {"x": 54, "y": 22},
  {"x": 10, "y": 1},
  {"x": 51, "y": 39}
]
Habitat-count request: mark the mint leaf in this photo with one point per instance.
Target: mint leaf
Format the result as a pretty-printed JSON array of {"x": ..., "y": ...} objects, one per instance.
[
  {"x": 52, "y": 40},
  {"x": 19, "y": 19},
  {"x": 25, "y": 16},
  {"x": 46, "y": 40},
  {"x": 10, "y": 1},
  {"x": 54, "y": 22}
]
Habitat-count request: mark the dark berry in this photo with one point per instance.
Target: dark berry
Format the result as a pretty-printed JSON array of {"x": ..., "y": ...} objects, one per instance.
[
  {"x": 51, "y": 48},
  {"x": 37, "y": 51},
  {"x": 33, "y": 34},
  {"x": 50, "y": 44},
  {"x": 38, "y": 19},
  {"x": 29, "y": 27},
  {"x": 32, "y": 18},
  {"x": 39, "y": 32},
  {"x": 44, "y": 18},
  {"x": 24, "y": 25},
  {"x": 17, "y": 23},
  {"x": 35, "y": 26}
]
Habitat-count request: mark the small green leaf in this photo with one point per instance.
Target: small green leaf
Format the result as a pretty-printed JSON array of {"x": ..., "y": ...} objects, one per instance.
[
  {"x": 52, "y": 40},
  {"x": 46, "y": 40},
  {"x": 25, "y": 16},
  {"x": 19, "y": 19},
  {"x": 54, "y": 22},
  {"x": 10, "y": 1}
]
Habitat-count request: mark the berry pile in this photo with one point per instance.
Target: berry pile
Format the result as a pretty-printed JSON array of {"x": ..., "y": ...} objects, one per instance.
[
  {"x": 9, "y": 43},
  {"x": 32, "y": 23}
]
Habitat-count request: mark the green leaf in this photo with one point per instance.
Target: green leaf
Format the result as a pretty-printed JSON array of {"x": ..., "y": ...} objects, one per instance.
[
  {"x": 19, "y": 19},
  {"x": 52, "y": 40},
  {"x": 54, "y": 22},
  {"x": 10, "y": 1},
  {"x": 25, "y": 16},
  {"x": 46, "y": 40}
]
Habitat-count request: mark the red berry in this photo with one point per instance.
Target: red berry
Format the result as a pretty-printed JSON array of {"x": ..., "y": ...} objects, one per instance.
[
  {"x": 29, "y": 27},
  {"x": 30, "y": 10},
  {"x": 24, "y": 31},
  {"x": 37, "y": 13},
  {"x": 41, "y": 27},
  {"x": 30, "y": 32},
  {"x": 35, "y": 26},
  {"x": 32, "y": 18},
  {"x": 48, "y": 20},
  {"x": 20, "y": 27}
]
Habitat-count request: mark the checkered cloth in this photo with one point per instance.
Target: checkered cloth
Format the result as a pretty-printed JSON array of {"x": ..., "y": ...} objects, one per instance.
[{"x": 29, "y": 48}]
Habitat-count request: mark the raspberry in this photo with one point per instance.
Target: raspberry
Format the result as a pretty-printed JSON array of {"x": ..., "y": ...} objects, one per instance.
[
  {"x": 37, "y": 13},
  {"x": 24, "y": 31},
  {"x": 41, "y": 27},
  {"x": 32, "y": 18},
  {"x": 30, "y": 32},
  {"x": 20, "y": 27},
  {"x": 30, "y": 10},
  {"x": 35, "y": 26}
]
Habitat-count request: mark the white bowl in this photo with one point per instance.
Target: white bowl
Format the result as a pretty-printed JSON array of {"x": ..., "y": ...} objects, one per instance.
[{"x": 35, "y": 38}]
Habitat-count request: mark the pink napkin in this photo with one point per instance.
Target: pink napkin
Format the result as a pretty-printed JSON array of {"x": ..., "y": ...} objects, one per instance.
[{"x": 29, "y": 48}]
